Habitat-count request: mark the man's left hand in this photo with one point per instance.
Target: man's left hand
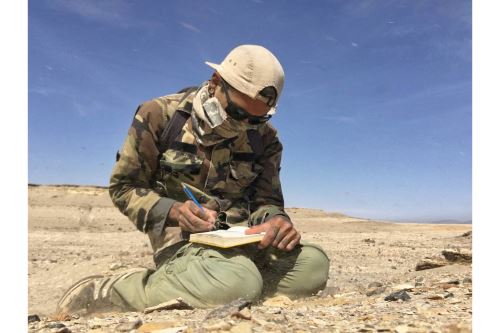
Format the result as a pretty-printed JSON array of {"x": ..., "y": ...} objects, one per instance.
[{"x": 280, "y": 233}]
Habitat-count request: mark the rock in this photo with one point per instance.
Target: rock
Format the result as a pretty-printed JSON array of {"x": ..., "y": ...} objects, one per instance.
[
  {"x": 178, "y": 329},
  {"x": 60, "y": 317},
  {"x": 375, "y": 284},
  {"x": 229, "y": 309},
  {"x": 177, "y": 304},
  {"x": 419, "y": 281},
  {"x": 221, "y": 325},
  {"x": 450, "y": 281},
  {"x": 375, "y": 288},
  {"x": 55, "y": 325},
  {"x": 128, "y": 326},
  {"x": 375, "y": 291},
  {"x": 329, "y": 291},
  {"x": 274, "y": 310},
  {"x": 467, "y": 280},
  {"x": 319, "y": 322},
  {"x": 260, "y": 322},
  {"x": 281, "y": 301},
  {"x": 398, "y": 295},
  {"x": 93, "y": 325},
  {"x": 243, "y": 314},
  {"x": 401, "y": 329},
  {"x": 369, "y": 240},
  {"x": 404, "y": 286},
  {"x": 33, "y": 318},
  {"x": 116, "y": 265},
  {"x": 457, "y": 255},
  {"x": 448, "y": 294},
  {"x": 429, "y": 263},
  {"x": 467, "y": 234},
  {"x": 243, "y": 327},
  {"x": 436, "y": 297},
  {"x": 63, "y": 330}
]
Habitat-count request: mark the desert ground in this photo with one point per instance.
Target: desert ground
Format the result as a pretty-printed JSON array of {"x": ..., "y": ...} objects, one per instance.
[{"x": 75, "y": 231}]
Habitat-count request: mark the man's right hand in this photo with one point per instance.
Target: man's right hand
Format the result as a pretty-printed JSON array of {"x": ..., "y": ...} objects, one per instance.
[{"x": 191, "y": 218}]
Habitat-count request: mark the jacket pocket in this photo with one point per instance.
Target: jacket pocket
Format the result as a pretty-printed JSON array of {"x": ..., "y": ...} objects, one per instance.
[
  {"x": 240, "y": 176},
  {"x": 174, "y": 161},
  {"x": 176, "y": 167}
]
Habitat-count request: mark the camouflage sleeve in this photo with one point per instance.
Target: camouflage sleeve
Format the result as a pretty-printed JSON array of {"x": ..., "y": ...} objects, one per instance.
[
  {"x": 267, "y": 199},
  {"x": 130, "y": 184}
]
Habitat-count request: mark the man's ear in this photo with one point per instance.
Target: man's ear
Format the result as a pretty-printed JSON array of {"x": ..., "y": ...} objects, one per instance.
[{"x": 216, "y": 78}]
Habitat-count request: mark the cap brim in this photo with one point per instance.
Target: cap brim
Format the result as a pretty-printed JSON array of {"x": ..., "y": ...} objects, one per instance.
[{"x": 214, "y": 66}]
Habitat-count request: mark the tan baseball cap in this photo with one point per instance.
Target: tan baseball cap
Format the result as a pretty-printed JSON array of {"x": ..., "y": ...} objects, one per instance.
[{"x": 251, "y": 68}]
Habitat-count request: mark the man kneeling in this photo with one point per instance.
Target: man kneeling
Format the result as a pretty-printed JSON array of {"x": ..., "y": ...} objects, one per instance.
[{"x": 216, "y": 140}]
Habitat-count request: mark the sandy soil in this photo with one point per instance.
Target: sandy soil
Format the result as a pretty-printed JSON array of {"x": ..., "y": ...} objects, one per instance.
[{"x": 76, "y": 231}]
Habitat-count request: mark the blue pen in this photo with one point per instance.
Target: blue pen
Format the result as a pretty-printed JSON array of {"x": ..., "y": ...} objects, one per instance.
[{"x": 191, "y": 196}]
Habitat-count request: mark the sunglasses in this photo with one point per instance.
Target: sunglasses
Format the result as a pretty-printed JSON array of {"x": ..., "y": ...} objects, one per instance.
[{"x": 239, "y": 113}]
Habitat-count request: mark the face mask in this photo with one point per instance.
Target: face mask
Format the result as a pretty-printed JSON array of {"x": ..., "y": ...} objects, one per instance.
[
  {"x": 211, "y": 123},
  {"x": 214, "y": 113}
]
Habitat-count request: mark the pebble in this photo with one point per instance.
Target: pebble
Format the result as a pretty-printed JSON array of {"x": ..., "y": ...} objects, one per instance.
[
  {"x": 450, "y": 281},
  {"x": 402, "y": 329},
  {"x": 280, "y": 301},
  {"x": 93, "y": 325},
  {"x": 375, "y": 284},
  {"x": 244, "y": 314},
  {"x": 329, "y": 291},
  {"x": 404, "y": 286},
  {"x": 398, "y": 295},
  {"x": 458, "y": 255},
  {"x": 375, "y": 291},
  {"x": 228, "y": 309},
  {"x": 220, "y": 325},
  {"x": 448, "y": 294},
  {"x": 177, "y": 303},
  {"x": 33, "y": 318},
  {"x": 116, "y": 265},
  {"x": 55, "y": 325},
  {"x": 436, "y": 297},
  {"x": 63, "y": 330},
  {"x": 128, "y": 326},
  {"x": 243, "y": 327},
  {"x": 429, "y": 264},
  {"x": 274, "y": 311},
  {"x": 178, "y": 329},
  {"x": 320, "y": 322}
]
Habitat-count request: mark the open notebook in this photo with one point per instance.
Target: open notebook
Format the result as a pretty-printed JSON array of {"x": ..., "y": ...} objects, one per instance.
[{"x": 234, "y": 236}]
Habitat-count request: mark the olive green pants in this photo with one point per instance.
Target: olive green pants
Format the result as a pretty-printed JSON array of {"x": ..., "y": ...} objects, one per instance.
[{"x": 205, "y": 276}]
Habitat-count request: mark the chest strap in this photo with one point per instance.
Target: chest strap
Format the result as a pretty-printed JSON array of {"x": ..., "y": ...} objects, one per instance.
[{"x": 176, "y": 123}]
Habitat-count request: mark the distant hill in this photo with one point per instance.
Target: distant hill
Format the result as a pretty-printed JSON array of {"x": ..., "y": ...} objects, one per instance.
[{"x": 450, "y": 222}]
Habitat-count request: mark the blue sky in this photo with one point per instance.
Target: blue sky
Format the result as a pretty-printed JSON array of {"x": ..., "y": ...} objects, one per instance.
[{"x": 375, "y": 115}]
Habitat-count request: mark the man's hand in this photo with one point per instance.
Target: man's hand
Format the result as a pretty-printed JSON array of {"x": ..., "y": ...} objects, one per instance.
[
  {"x": 280, "y": 233},
  {"x": 191, "y": 218}
]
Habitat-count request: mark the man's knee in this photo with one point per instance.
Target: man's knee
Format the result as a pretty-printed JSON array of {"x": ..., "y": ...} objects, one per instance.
[
  {"x": 231, "y": 279},
  {"x": 312, "y": 271}
]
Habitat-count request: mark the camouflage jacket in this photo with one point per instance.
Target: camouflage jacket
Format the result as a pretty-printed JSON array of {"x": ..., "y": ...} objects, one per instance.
[{"x": 228, "y": 176}]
